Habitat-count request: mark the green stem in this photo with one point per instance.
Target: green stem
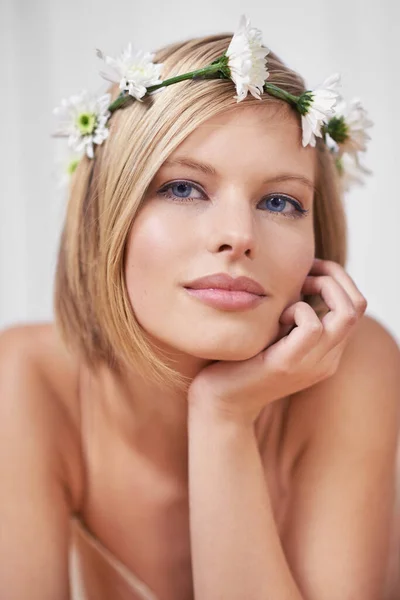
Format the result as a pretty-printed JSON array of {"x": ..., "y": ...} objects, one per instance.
[
  {"x": 279, "y": 93},
  {"x": 210, "y": 70},
  {"x": 220, "y": 66},
  {"x": 122, "y": 98},
  {"x": 204, "y": 72}
]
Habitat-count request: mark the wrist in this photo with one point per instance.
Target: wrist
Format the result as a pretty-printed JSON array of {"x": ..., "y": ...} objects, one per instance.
[{"x": 212, "y": 412}]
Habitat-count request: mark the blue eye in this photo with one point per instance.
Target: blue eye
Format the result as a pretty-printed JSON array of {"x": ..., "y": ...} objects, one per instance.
[
  {"x": 177, "y": 188},
  {"x": 182, "y": 187},
  {"x": 280, "y": 202},
  {"x": 180, "y": 191}
]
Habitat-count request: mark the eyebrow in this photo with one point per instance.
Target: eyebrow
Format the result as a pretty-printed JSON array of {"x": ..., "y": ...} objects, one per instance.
[{"x": 210, "y": 170}]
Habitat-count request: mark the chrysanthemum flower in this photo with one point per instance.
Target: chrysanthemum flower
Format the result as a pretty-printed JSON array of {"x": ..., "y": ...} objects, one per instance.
[
  {"x": 348, "y": 127},
  {"x": 351, "y": 171},
  {"x": 64, "y": 168},
  {"x": 133, "y": 70},
  {"x": 316, "y": 107},
  {"x": 246, "y": 60},
  {"x": 83, "y": 119}
]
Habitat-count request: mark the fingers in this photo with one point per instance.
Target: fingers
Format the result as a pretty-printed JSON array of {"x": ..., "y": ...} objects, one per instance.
[
  {"x": 306, "y": 335},
  {"x": 329, "y": 267},
  {"x": 342, "y": 314},
  {"x": 315, "y": 337},
  {"x": 342, "y": 297}
]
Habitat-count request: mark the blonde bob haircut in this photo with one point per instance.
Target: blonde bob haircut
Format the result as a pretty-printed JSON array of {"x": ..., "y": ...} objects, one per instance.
[{"x": 92, "y": 309}]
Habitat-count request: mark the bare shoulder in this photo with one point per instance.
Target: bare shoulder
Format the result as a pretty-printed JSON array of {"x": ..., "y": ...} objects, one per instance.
[
  {"x": 371, "y": 358},
  {"x": 343, "y": 486},
  {"x": 365, "y": 387},
  {"x": 368, "y": 378},
  {"x": 38, "y": 347},
  {"x": 378, "y": 338},
  {"x": 40, "y": 376}
]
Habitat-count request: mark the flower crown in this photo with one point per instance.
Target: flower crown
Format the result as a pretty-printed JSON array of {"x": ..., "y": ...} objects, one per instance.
[{"x": 84, "y": 117}]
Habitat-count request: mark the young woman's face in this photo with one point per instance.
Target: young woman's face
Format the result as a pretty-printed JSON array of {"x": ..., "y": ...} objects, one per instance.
[{"x": 239, "y": 213}]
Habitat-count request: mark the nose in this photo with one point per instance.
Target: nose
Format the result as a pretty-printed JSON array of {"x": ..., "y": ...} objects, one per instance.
[{"x": 233, "y": 229}]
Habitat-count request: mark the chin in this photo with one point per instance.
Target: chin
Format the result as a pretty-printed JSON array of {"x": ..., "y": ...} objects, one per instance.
[
  {"x": 233, "y": 352},
  {"x": 230, "y": 344}
]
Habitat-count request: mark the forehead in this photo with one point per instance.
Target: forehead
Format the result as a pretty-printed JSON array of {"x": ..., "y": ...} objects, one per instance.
[{"x": 250, "y": 138}]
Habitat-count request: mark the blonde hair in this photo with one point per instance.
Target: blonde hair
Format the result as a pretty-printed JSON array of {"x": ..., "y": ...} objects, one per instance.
[{"x": 92, "y": 308}]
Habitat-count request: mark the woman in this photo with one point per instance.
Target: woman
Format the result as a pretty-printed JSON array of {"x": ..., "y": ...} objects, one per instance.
[{"x": 202, "y": 443}]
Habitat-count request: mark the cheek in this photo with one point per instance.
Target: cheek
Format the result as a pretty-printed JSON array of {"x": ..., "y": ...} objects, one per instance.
[
  {"x": 148, "y": 242},
  {"x": 288, "y": 263},
  {"x": 289, "y": 270},
  {"x": 152, "y": 253}
]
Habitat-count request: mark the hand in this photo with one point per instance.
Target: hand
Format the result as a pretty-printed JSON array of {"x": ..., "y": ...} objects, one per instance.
[{"x": 311, "y": 352}]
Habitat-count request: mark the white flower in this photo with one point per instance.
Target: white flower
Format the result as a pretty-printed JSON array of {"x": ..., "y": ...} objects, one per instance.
[
  {"x": 64, "y": 169},
  {"x": 332, "y": 145},
  {"x": 319, "y": 105},
  {"x": 247, "y": 62},
  {"x": 356, "y": 122},
  {"x": 133, "y": 70},
  {"x": 83, "y": 119},
  {"x": 351, "y": 171}
]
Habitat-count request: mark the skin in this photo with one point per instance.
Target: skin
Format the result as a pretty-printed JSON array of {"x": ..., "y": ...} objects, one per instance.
[
  {"x": 307, "y": 355},
  {"x": 240, "y": 361},
  {"x": 232, "y": 225},
  {"x": 171, "y": 243}
]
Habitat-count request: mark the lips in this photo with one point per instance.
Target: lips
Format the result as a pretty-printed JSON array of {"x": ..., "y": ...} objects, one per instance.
[{"x": 224, "y": 281}]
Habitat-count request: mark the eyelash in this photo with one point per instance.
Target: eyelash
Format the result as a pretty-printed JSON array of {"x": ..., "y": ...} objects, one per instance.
[{"x": 166, "y": 192}]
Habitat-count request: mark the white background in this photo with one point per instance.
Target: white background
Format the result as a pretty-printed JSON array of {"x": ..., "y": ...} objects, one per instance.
[{"x": 47, "y": 51}]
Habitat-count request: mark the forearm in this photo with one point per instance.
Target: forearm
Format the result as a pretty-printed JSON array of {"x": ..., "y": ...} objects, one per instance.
[{"x": 236, "y": 551}]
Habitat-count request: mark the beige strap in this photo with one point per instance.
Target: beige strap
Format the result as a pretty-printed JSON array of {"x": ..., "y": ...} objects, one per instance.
[{"x": 137, "y": 585}]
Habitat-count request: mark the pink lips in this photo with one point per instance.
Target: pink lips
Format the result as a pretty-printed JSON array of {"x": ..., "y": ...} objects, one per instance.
[{"x": 223, "y": 291}]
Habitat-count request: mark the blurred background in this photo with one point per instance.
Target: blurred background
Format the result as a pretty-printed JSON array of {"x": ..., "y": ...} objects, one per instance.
[{"x": 47, "y": 50}]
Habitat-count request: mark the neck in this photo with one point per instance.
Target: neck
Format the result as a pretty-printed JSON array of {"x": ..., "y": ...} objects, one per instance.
[{"x": 132, "y": 401}]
